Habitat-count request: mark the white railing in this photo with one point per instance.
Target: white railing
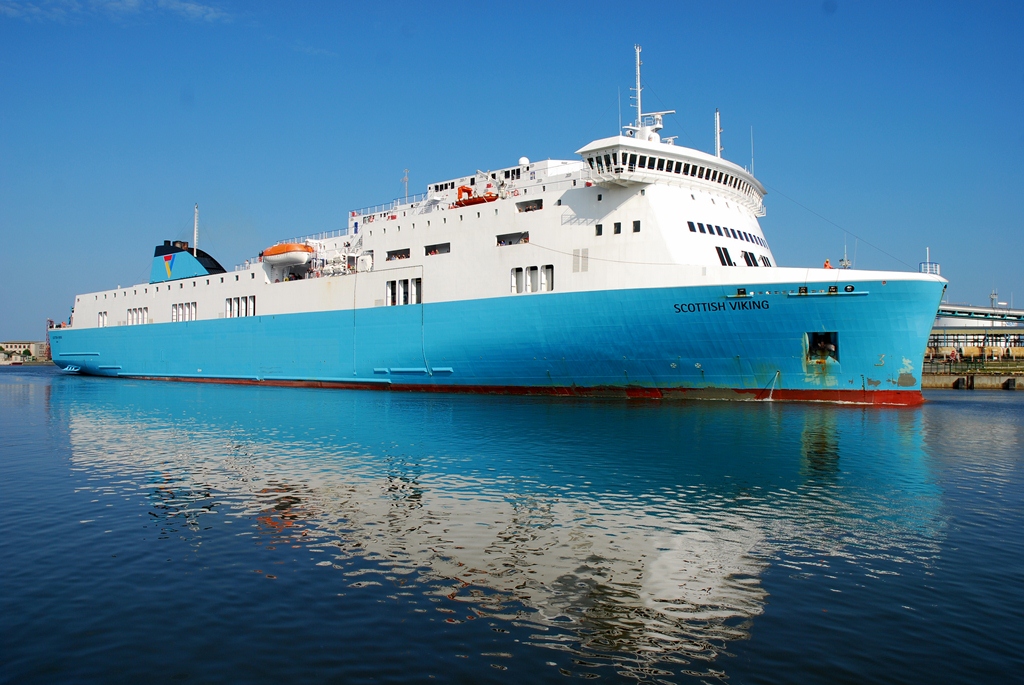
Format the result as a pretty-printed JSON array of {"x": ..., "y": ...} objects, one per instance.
[{"x": 394, "y": 204}]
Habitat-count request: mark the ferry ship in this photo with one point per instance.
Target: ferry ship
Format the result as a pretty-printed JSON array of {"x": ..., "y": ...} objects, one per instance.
[{"x": 637, "y": 269}]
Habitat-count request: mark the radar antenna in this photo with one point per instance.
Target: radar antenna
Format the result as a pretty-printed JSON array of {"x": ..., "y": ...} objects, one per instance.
[{"x": 639, "y": 130}]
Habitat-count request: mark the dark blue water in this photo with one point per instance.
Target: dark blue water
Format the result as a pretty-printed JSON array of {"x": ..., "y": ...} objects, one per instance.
[{"x": 166, "y": 532}]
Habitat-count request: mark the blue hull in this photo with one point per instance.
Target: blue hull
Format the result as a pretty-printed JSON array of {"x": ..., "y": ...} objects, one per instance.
[{"x": 687, "y": 341}]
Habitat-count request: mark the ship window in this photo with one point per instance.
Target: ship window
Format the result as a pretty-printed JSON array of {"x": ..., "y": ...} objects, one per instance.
[
  {"x": 599, "y": 197},
  {"x": 513, "y": 238},
  {"x": 718, "y": 230},
  {"x": 823, "y": 345},
  {"x": 693, "y": 170},
  {"x": 679, "y": 167},
  {"x": 389, "y": 294},
  {"x": 517, "y": 280},
  {"x": 608, "y": 161},
  {"x": 227, "y": 308},
  {"x": 661, "y": 164},
  {"x": 416, "y": 296},
  {"x": 440, "y": 248},
  {"x": 532, "y": 279},
  {"x": 530, "y": 205},
  {"x": 749, "y": 258},
  {"x": 728, "y": 258},
  {"x": 398, "y": 254},
  {"x": 632, "y": 162},
  {"x": 617, "y": 229},
  {"x": 252, "y": 305},
  {"x": 600, "y": 164},
  {"x": 686, "y": 169},
  {"x": 764, "y": 260},
  {"x": 701, "y": 227},
  {"x": 636, "y": 226},
  {"x": 590, "y": 161},
  {"x": 598, "y": 229},
  {"x": 145, "y": 315},
  {"x": 547, "y": 278},
  {"x": 693, "y": 229},
  {"x": 721, "y": 256},
  {"x": 643, "y": 161}
]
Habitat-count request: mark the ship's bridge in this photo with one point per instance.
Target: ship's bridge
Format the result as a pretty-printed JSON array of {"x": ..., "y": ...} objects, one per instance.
[{"x": 626, "y": 161}]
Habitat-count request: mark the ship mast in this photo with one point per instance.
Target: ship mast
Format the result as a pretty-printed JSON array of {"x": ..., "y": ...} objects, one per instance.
[
  {"x": 718, "y": 134},
  {"x": 639, "y": 108},
  {"x": 195, "y": 232}
]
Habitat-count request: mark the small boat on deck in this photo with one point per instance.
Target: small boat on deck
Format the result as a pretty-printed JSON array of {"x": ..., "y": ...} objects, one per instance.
[{"x": 288, "y": 254}]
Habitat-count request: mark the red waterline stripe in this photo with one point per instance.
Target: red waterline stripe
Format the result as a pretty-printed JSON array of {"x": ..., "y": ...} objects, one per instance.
[{"x": 899, "y": 398}]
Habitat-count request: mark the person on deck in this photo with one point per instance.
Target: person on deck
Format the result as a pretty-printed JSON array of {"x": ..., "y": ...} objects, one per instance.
[{"x": 828, "y": 264}]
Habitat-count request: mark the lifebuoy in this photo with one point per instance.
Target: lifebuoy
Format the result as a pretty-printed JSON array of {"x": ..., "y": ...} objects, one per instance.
[{"x": 516, "y": 192}]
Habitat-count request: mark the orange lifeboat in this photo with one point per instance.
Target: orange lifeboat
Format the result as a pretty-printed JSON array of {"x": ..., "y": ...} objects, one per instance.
[
  {"x": 471, "y": 199},
  {"x": 288, "y": 254}
]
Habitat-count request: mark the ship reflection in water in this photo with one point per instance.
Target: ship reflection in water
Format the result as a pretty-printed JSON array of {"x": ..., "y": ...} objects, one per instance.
[{"x": 626, "y": 538}]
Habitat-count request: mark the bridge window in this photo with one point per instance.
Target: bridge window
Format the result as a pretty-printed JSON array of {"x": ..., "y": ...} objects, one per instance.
[
  {"x": 679, "y": 167},
  {"x": 608, "y": 162},
  {"x": 643, "y": 162},
  {"x": 650, "y": 162},
  {"x": 661, "y": 164}
]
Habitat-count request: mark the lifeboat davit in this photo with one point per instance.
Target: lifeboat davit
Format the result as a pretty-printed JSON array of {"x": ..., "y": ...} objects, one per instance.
[
  {"x": 468, "y": 198},
  {"x": 288, "y": 254}
]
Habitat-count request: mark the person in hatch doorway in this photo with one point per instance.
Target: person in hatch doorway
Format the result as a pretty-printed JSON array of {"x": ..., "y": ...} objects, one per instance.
[{"x": 828, "y": 264}]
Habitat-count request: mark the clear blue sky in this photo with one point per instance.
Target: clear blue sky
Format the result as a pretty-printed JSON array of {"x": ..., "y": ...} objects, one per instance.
[{"x": 902, "y": 122}]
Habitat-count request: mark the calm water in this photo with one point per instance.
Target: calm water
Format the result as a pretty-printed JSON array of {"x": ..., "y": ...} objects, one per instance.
[{"x": 163, "y": 532}]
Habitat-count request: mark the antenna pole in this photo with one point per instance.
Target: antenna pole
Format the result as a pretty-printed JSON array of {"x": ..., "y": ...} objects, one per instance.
[
  {"x": 751, "y": 150},
  {"x": 718, "y": 134},
  {"x": 405, "y": 180},
  {"x": 195, "y": 232},
  {"x": 639, "y": 108}
]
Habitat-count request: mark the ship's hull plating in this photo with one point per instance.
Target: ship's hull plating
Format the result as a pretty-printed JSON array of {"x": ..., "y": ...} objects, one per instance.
[{"x": 659, "y": 343}]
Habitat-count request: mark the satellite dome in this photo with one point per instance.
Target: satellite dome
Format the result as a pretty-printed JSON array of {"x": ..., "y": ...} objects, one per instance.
[{"x": 523, "y": 161}]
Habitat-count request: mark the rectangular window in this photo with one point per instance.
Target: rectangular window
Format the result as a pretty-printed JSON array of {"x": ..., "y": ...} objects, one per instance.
[
  {"x": 650, "y": 162},
  {"x": 416, "y": 295},
  {"x": 403, "y": 291},
  {"x": 686, "y": 170},
  {"x": 728, "y": 259},
  {"x": 661, "y": 164},
  {"x": 530, "y": 205},
  {"x": 617, "y": 227},
  {"x": 721, "y": 256},
  {"x": 608, "y": 162},
  {"x": 547, "y": 277},
  {"x": 600, "y": 164},
  {"x": 513, "y": 238},
  {"x": 252, "y": 305},
  {"x": 701, "y": 227},
  {"x": 679, "y": 167},
  {"x": 237, "y": 304},
  {"x": 440, "y": 248},
  {"x": 598, "y": 229},
  {"x": 145, "y": 315},
  {"x": 693, "y": 229},
  {"x": 174, "y": 313},
  {"x": 643, "y": 161},
  {"x": 632, "y": 162},
  {"x": 532, "y": 279},
  {"x": 389, "y": 294},
  {"x": 518, "y": 282},
  {"x": 733, "y": 231},
  {"x": 636, "y": 226},
  {"x": 398, "y": 254},
  {"x": 227, "y": 308},
  {"x": 764, "y": 260},
  {"x": 700, "y": 172}
]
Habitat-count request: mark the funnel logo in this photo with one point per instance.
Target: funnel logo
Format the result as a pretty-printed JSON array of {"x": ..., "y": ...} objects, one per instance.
[{"x": 168, "y": 264}]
